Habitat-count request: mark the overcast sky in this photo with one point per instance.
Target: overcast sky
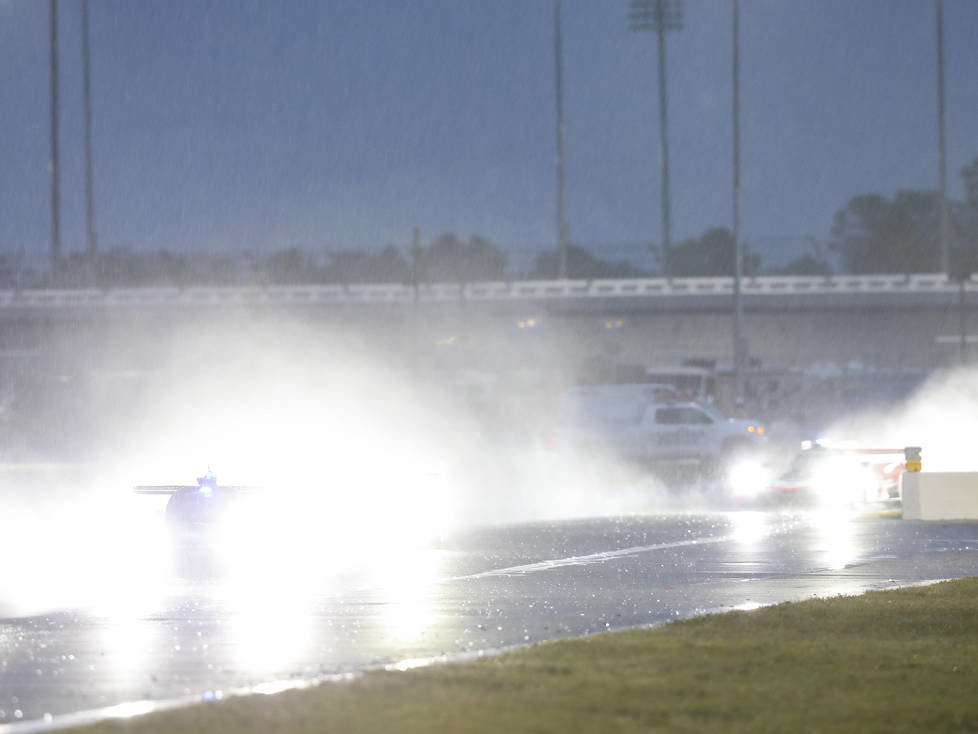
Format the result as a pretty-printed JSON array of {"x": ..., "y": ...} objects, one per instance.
[{"x": 254, "y": 125}]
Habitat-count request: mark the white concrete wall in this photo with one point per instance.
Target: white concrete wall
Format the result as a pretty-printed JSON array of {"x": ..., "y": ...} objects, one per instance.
[{"x": 939, "y": 495}]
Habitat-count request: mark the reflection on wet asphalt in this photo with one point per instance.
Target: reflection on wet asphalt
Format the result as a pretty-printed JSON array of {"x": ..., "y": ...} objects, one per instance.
[{"x": 478, "y": 590}]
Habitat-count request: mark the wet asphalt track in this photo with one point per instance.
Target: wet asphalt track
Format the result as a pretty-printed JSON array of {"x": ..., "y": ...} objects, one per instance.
[{"x": 480, "y": 590}]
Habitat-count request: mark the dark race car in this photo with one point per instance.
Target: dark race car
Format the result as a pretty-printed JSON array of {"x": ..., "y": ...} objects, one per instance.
[{"x": 193, "y": 511}]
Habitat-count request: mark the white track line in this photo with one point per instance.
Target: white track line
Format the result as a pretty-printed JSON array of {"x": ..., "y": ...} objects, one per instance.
[{"x": 590, "y": 558}]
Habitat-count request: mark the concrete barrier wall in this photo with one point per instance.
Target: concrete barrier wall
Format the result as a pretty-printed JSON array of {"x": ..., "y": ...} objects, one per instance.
[{"x": 940, "y": 495}]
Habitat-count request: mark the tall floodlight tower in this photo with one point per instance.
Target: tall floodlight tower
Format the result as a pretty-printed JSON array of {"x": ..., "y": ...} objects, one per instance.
[
  {"x": 559, "y": 84},
  {"x": 55, "y": 163},
  {"x": 944, "y": 226},
  {"x": 740, "y": 343},
  {"x": 87, "y": 104},
  {"x": 660, "y": 16}
]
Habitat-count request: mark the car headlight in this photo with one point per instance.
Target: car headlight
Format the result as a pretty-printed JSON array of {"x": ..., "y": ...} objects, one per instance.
[
  {"x": 842, "y": 481},
  {"x": 747, "y": 478}
]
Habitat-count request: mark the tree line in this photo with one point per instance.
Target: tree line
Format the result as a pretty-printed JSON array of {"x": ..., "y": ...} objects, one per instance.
[
  {"x": 876, "y": 234},
  {"x": 872, "y": 233}
]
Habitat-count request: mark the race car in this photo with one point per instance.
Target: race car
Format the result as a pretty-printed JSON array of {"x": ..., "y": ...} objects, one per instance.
[
  {"x": 194, "y": 509},
  {"x": 825, "y": 473}
]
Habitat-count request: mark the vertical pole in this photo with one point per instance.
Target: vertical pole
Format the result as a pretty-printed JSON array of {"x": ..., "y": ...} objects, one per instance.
[
  {"x": 739, "y": 343},
  {"x": 416, "y": 274},
  {"x": 414, "y": 332},
  {"x": 561, "y": 212},
  {"x": 942, "y": 156},
  {"x": 963, "y": 317},
  {"x": 55, "y": 163},
  {"x": 664, "y": 141},
  {"x": 87, "y": 103}
]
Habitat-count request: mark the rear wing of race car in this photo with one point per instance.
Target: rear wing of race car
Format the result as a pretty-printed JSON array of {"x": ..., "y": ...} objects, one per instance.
[
  {"x": 846, "y": 447},
  {"x": 167, "y": 489},
  {"x": 171, "y": 489}
]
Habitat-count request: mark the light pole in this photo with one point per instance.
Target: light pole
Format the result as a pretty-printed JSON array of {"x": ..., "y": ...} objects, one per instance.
[
  {"x": 55, "y": 163},
  {"x": 559, "y": 83},
  {"x": 660, "y": 16},
  {"x": 87, "y": 104},
  {"x": 944, "y": 226},
  {"x": 740, "y": 343}
]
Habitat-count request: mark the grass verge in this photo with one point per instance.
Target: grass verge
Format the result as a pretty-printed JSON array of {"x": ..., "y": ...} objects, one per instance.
[{"x": 890, "y": 661}]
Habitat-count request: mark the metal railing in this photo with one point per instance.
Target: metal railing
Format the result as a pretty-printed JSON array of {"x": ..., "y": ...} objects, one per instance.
[{"x": 541, "y": 290}]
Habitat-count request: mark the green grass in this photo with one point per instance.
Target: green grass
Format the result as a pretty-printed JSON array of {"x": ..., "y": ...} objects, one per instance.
[{"x": 893, "y": 661}]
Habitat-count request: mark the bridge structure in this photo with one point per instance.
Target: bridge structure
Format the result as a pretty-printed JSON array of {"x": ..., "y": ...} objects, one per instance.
[
  {"x": 74, "y": 363},
  {"x": 643, "y": 294},
  {"x": 880, "y": 321}
]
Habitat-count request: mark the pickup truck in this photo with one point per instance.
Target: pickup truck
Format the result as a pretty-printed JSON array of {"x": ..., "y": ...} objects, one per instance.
[{"x": 640, "y": 423}]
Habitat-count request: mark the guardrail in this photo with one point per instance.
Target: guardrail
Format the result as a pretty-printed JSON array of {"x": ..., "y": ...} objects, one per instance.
[{"x": 380, "y": 293}]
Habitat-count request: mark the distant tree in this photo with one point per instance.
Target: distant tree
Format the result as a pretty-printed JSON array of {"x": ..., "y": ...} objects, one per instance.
[
  {"x": 969, "y": 175},
  {"x": 711, "y": 255},
  {"x": 9, "y": 271},
  {"x": 449, "y": 259},
  {"x": 444, "y": 258},
  {"x": 223, "y": 270},
  {"x": 355, "y": 266},
  {"x": 390, "y": 267},
  {"x": 805, "y": 265},
  {"x": 874, "y": 234},
  {"x": 123, "y": 267},
  {"x": 485, "y": 260},
  {"x": 169, "y": 269},
  {"x": 291, "y": 267},
  {"x": 116, "y": 268},
  {"x": 582, "y": 265},
  {"x": 965, "y": 254},
  {"x": 349, "y": 266}
]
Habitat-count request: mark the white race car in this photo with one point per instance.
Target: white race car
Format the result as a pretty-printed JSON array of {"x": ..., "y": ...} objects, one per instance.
[{"x": 826, "y": 473}]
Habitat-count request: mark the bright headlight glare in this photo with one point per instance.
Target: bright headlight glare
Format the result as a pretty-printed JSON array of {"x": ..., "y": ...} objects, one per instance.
[
  {"x": 830, "y": 479},
  {"x": 747, "y": 478},
  {"x": 842, "y": 481}
]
